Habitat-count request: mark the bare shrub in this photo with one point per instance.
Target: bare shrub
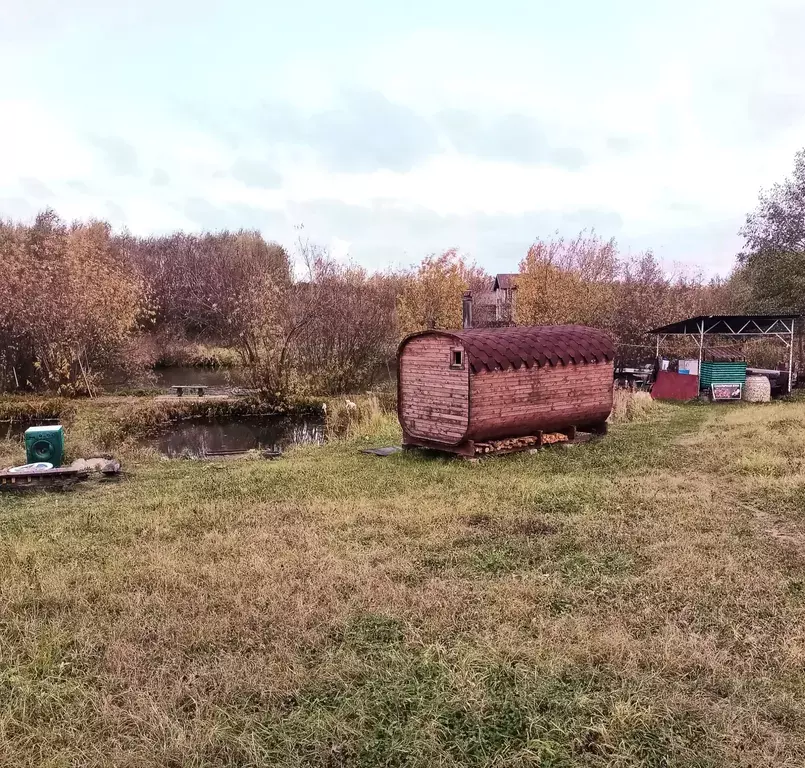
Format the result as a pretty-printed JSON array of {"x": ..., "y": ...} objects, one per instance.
[
  {"x": 352, "y": 335},
  {"x": 194, "y": 280}
]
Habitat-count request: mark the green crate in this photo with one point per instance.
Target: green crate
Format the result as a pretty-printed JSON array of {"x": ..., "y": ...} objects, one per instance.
[
  {"x": 45, "y": 444},
  {"x": 721, "y": 373}
]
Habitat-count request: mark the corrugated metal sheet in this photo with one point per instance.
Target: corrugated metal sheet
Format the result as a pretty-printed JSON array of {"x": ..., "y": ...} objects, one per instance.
[
  {"x": 725, "y": 354},
  {"x": 722, "y": 373}
]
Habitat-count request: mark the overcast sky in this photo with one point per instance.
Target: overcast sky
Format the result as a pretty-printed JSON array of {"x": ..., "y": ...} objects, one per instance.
[{"x": 390, "y": 130}]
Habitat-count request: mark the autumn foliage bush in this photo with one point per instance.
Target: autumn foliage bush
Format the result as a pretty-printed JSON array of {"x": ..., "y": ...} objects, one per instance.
[
  {"x": 78, "y": 303},
  {"x": 69, "y": 305},
  {"x": 587, "y": 280},
  {"x": 431, "y": 297}
]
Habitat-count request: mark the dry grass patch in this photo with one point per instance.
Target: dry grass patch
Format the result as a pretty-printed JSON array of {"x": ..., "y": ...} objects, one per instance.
[
  {"x": 623, "y": 602},
  {"x": 632, "y": 406}
]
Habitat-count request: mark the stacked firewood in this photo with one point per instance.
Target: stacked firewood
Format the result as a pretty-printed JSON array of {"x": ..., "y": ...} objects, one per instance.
[
  {"x": 520, "y": 443},
  {"x": 554, "y": 437}
]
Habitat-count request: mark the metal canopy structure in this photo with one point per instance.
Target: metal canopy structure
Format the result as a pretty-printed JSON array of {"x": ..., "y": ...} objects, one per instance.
[{"x": 778, "y": 326}]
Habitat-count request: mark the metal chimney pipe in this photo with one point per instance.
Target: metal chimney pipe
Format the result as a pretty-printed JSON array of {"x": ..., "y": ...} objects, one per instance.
[{"x": 466, "y": 310}]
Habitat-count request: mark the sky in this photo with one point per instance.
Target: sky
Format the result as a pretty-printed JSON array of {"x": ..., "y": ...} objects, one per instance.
[{"x": 388, "y": 131}]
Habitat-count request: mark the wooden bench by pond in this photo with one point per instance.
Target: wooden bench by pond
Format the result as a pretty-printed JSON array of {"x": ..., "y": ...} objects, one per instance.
[{"x": 179, "y": 389}]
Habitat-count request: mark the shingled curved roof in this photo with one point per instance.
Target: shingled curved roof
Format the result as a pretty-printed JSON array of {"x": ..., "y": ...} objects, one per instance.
[{"x": 494, "y": 349}]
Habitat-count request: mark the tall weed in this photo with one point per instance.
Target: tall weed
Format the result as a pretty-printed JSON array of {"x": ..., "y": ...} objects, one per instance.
[{"x": 632, "y": 406}]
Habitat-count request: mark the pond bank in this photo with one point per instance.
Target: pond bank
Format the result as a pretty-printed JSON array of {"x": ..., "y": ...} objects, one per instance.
[
  {"x": 181, "y": 375},
  {"x": 121, "y": 424},
  {"x": 202, "y": 436},
  {"x": 128, "y": 425}
]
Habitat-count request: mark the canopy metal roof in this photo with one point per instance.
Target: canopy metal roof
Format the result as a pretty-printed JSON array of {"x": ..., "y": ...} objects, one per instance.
[{"x": 731, "y": 325}]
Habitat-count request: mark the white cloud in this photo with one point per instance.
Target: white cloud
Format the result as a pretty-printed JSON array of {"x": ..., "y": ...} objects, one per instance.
[
  {"x": 34, "y": 144},
  {"x": 661, "y": 123},
  {"x": 339, "y": 249}
]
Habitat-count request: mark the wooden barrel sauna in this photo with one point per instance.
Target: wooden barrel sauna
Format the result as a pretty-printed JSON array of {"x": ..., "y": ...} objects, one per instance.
[{"x": 456, "y": 388}]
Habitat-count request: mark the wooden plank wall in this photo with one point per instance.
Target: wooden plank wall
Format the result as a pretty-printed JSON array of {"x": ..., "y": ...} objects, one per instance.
[
  {"x": 434, "y": 397},
  {"x": 514, "y": 403}
]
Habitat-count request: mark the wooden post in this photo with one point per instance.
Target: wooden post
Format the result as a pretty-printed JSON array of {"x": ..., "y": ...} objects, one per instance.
[
  {"x": 466, "y": 310},
  {"x": 791, "y": 357}
]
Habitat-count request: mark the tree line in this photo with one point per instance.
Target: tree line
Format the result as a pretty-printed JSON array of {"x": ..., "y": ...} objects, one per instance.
[{"x": 80, "y": 304}]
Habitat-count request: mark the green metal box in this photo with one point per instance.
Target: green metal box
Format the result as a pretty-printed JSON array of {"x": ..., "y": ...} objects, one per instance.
[
  {"x": 721, "y": 373},
  {"x": 45, "y": 444}
]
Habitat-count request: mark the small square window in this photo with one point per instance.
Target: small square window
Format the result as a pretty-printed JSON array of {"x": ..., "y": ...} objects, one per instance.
[{"x": 456, "y": 358}]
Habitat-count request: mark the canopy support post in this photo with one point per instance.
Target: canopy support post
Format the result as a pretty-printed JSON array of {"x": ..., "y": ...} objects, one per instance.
[{"x": 791, "y": 357}]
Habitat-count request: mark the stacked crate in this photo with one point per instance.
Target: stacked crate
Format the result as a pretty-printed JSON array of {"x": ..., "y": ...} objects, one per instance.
[{"x": 714, "y": 372}]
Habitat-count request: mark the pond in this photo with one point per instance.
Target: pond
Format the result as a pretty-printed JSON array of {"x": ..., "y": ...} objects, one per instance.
[
  {"x": 165, "y": 378},
  {"x": 177, "y": 375},
  {"x": 200, "y": 437}
]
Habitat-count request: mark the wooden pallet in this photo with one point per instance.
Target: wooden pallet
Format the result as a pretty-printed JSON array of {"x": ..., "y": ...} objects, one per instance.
[{"x": 46, "y": 478}]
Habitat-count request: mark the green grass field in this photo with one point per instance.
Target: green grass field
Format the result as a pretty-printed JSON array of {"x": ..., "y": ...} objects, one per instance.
[{"x": 639, "y": 601}]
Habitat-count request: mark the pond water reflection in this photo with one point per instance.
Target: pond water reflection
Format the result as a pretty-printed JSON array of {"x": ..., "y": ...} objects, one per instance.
[{"x": 197, "y": 437}]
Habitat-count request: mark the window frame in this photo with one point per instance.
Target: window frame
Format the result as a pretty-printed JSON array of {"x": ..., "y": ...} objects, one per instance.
[{"x": 457, "y": 366}]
